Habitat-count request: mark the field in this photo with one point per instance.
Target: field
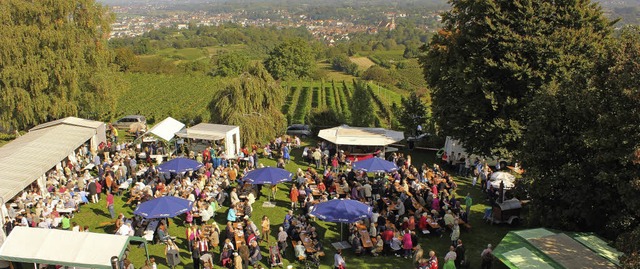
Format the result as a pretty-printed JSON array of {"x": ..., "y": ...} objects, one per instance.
[
  {"x": 96, "y": 216},
  {"x": 183, "y": 97},
  {"x": 363, "y": 62}
]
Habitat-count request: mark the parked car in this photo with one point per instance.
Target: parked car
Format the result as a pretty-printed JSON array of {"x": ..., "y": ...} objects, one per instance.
[
  {"x": 131, "y": 122},
  {"x": 299, "y": 130}
]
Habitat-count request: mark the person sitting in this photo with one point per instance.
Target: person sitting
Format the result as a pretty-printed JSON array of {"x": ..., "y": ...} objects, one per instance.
[
  {"x": 357, "y": 244},
  {"x": 299, "y": 251},
  {"x": 378, "y": 247},
  {"x": 254, "y": 251},
  {"x": 163, "y": 236},
  {"x": 449, "y": 220}
]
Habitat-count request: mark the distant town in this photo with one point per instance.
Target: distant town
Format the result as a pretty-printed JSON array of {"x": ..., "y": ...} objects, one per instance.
[{"x": 135, "y": 20}]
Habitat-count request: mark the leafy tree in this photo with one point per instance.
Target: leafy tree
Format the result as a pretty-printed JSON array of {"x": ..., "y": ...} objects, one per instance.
[
  {"x": 292, "y": 59},
  {"x": 54, "y": 59},
  {"x": 492, "y": 57},
  {"x": 581, "y": 149},
  {"x": 231, "y": 64},
  {"x": 361, "y": 106},
  {"x": 379, "y": 74},
  {"x": 412, "y": 113},
  {"x": 252, "y": 101},
  {"x": 342, "y": 63},
  {"x": 126, "y": 59}
]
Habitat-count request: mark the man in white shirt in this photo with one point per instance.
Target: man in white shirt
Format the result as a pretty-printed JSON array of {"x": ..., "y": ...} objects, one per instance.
[
  {"x": 299, "y": 250},
  {"x": 125, "y": 230}
]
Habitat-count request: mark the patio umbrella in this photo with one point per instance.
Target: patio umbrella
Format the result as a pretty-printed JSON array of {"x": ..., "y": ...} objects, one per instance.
[
  {"x": 341, "y": 211},
  {"x": 163, "y": 207},
  {"x": 268, "y": 175},
  {"x": 375, "y": 165},
  {"x": 179, "y": 165}
]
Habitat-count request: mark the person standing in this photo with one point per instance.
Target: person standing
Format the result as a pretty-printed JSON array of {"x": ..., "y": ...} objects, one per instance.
[
  {"x": 487, "y": 257},
  {"x": 243, "y": 250},
  {"x": 293, "y": 195},
  {"x": 110, "y": 205},
  {"x": 460, "y": 252},
  {"x": 195, "y": 253},
  {"x": 433, "y": 260},
  {"x": 282, "y": 240},
  {"x": 468, "y": 202},
  {"x": 449, "y": 258},
  {"x": 266, "y": 228},
  {"x": 338, "y": 260}
]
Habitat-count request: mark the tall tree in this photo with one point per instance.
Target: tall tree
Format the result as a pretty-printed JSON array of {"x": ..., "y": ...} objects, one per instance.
[
  {"x": 493, "y": 56},
  {"x": 252, "y": 101},
  {"x": 292, "y": 59},
  {"x": 54, "y": 62},
  {"x": 361, "y": 106},
  {"x": 231, "y": 64},
  {"x": 412, "y": 113},
  {"x": 582, "y": 148}
]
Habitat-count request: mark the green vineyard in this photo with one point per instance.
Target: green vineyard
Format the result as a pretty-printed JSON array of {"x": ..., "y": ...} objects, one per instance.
[
  {"x": 305, "y": 96},
  {"x": 187, "y": 98}
]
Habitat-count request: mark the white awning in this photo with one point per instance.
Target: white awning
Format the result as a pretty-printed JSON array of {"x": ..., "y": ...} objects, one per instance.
[
  {"x": 52, "y": 246},
  {"x": 167, "y": 128},
  {"x": 207, "y": 131},
  {"x": 28, "y": 157},
  {"x": 360, "y": 136}
]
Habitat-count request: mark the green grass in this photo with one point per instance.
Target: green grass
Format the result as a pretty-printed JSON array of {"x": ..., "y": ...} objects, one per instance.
[
  {"x": 188, "y": 54},
  {"x": 332, "y": 74},
  {"x": 96, "y": 216}
]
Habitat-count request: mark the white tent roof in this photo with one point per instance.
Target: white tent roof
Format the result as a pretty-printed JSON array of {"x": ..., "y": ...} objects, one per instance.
[
  {"x": 207, "y": 131},
  {"x": 28, "y": 157},
  {"x": 52, "y": 246},
  {"x": 167, "y": 128},
  {"x": 360, "y": 136}
]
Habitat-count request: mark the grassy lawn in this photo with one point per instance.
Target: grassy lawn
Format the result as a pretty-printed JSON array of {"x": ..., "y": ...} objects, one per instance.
[
  {"x": 96, "y": 216},
  {"x": 363, "y": 62},
  {"x": 333, "y": 74}
]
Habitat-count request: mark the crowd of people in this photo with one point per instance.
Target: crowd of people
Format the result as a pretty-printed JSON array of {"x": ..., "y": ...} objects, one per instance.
[{"x": 408, "y": 204}]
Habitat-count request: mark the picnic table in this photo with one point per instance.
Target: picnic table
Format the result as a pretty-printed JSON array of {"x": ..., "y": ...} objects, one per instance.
[
  {"x": 432, "y": 223},
  {"x": 364, "y": 235},
  {"x": 314, "y": 190},
  {"x": 341, "y": 245},
  {"x": 308, "y": 243},
  {"x": 150, "y": 231},
  {"x": 239, "y": 237}
]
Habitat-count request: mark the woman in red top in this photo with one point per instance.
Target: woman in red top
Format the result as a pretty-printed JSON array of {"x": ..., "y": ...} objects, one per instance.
[{"x": 294, "y": 197}]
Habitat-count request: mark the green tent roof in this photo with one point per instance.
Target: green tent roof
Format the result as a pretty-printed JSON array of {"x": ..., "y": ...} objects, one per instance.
[{"x": 542, "y": 248}]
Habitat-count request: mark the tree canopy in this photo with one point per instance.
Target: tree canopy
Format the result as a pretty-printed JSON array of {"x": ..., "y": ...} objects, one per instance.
[
  {"x": 253, "y": 101},
  {"x": 54, "y": 62},
  {"x": 361, "y": 106},
  {"x": 413, "y": 112},
  {"x": 292, "y": 59},
  {"x": 492, "y": 57}
]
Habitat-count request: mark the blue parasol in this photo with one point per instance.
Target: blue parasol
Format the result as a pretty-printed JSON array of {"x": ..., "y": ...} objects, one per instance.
[
  {"x": 163, "y": 207},
  {"x": 179, "y": 165},
  {"x": 375, "y": 165}
]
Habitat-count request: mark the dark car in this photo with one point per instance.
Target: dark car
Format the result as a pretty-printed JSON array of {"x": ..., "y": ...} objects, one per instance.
[{"x": 299, "y": 130}]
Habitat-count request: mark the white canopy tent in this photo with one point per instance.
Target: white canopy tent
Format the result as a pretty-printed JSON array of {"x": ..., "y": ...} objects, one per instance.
[
  {"x": 60, "y": 247},
  {"x": 360, "y": 136},
  {"x": 28, "y": 157},
  {"x": 167, "y": 128},
  {"x": 208, "y": 131}
]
